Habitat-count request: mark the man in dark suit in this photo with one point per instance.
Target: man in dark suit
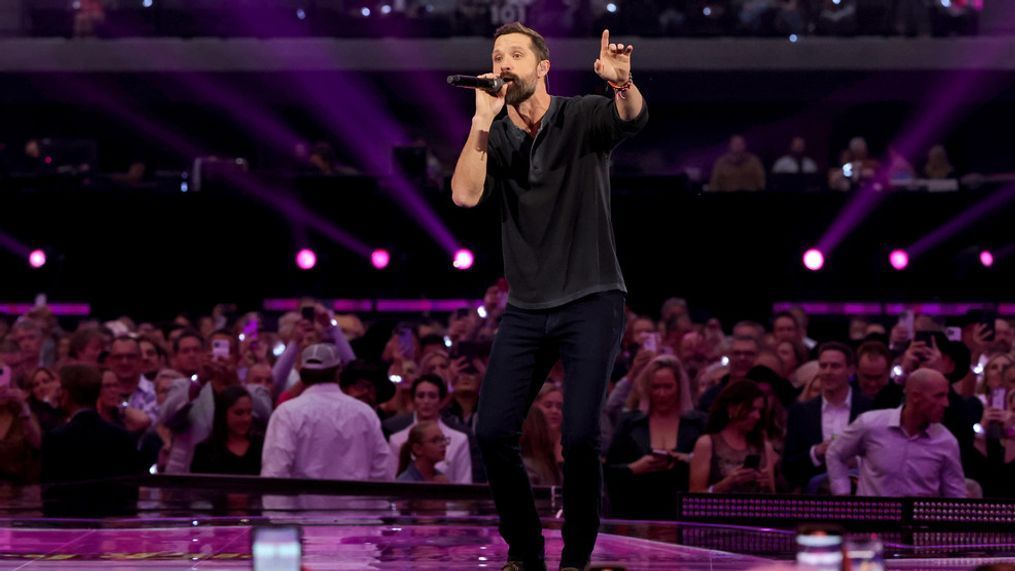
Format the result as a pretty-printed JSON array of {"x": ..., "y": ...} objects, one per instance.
[
  {"x": 88, "y": 450},
  {"x": 813, "y": 424}
]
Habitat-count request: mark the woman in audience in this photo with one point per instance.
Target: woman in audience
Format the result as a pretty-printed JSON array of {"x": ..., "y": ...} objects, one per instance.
[
  {"x": 993, "y": 377},
  {"x": 44, "y": 399},
  {"x": 428, "y": 392},
  {"x": 647, "y": 460},
  {"x": 995, "y": 443},
  {"x": 232, "y": 447},
  {"x": 734, "y": 456},
  {"x": 539, "y": 451},
  {"x": 425, "y": 447},
  {"x": 793, "y": 354},
  {"x": 20, "y": 438},
  {"x": 807, "y": 374},
  {"x": 551, "y": 401}
]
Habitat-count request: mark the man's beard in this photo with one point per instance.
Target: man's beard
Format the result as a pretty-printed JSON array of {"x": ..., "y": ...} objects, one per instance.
[{"x": 517, "y": 92}]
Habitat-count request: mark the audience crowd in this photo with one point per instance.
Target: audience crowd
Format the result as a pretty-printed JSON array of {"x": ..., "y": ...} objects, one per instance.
[
  {"x": 913, "y": 407},
  {"x": 108, "y": 18}
]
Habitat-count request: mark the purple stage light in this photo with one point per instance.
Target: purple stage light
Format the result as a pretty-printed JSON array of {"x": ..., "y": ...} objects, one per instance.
[
  {"x": 380, "y": 259},
  {"x": 37, "y": 259},
  {"x": 987, "y": 258},
  {"x": 899, "y": 259},
  {"x": 814, "y": 260},
  {"x": 463, "y": 259},
  {"x": 306, "y": 259}
]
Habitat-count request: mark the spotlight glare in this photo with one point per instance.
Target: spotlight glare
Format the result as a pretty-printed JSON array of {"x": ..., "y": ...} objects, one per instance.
[
  {"x": 611, "y": 8},
  {"x": 385, "y": 9},
  {"x": 814, "y": 260},
  {"x": 301, "y": 14},
  {"x": 463, "y": 259},
  {"x": 306, "y": 259},
  {"x": 899, "y": 259},
  {"x": 37, "y": 259},
  {"x": 793, "y": 38},
  {"x": 365, "y": 11},
  {"x": 380, "y": 259},
  {"x": 987, "y": 258},
  {"x": 147, "y": 3},
  {"x": 707, "y": 11}
]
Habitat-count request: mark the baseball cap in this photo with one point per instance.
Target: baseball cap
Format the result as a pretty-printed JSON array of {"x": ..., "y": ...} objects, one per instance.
[{"x": 320, "y": 356}]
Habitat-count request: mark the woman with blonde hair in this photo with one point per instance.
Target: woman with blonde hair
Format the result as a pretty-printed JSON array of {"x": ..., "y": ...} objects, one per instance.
[
  {"x": 551, "y": 401},
  {"x": 647, "y": 461},
  {"x": 539, "y": 450},
  {"x": 993, "y": 377}
]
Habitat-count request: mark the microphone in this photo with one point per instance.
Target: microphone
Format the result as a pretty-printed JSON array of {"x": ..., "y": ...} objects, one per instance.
[{"x": 492, "y": 85}]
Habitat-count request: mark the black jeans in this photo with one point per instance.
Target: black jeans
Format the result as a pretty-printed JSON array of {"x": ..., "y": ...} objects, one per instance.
[{"x": 585, "y": 334}]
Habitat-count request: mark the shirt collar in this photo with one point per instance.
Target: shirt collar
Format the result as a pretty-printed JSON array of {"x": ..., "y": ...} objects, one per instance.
[
  {"x": 551, "y": 110},
  {"x": 895, "y": 421},
  {"x": 847, "y": 404},
  {"x": 324, "y": 387}
]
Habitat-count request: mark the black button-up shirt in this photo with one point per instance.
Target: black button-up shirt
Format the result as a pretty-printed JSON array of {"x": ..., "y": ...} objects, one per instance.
[{"x": 554, "y": 197}]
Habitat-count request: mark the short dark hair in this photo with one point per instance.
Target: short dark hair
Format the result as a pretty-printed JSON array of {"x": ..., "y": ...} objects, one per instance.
[
  {"x": 127, "y": 338},
  {"x": 431, "y": 339},
  {"x": 539, "y": 46},
  {"x": 319, "y": 376},
  {"x": 159, "y": 348},
  {"x": 841, "y": 348},
  {"x": 442, "y": 388},
  {"x": 359, "y": 370},
  {"x": 187, "y": 333},
  {"x": 80, "y": 340},
  {"x": 873, "y": 349},
  {"x": 786, "y": 314},
  {"x": 82, "y": 384}
]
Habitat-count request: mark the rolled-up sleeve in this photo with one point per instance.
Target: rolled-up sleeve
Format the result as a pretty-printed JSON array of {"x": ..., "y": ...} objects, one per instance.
[
  {"x": 953, "y": 479},
  {"x": 845, "y": 446}
]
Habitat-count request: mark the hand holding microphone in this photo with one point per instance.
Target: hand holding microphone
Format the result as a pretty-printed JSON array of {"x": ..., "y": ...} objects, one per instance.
[
  {"x": 491, "y": 84},
  {"x": 490, "y": 90}
]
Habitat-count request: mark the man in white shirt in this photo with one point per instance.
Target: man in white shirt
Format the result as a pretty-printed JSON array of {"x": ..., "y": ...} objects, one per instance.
[
  {"x": 812, "y": 425},
  {"x": 324, "y": 433},
  {"x": 428, "y": 392},
  {"x": 796, "y": 162},
  {"x": 904, "y": 451}
]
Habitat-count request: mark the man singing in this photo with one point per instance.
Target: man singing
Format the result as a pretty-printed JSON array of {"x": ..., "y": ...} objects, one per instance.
[{"x": 546, "y": 163}]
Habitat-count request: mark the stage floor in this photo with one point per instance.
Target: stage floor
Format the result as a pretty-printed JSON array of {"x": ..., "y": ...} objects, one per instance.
[
  {"x": 425, "y": 543},
  {"x": 205, "y": 523}
]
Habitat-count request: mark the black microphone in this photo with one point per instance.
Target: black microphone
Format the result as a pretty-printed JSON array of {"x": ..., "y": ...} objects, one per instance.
[{"x": 492, "y": 84}]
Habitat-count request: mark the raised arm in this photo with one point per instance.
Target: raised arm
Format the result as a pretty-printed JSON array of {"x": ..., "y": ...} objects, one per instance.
[{"x": 614, "y": 66}]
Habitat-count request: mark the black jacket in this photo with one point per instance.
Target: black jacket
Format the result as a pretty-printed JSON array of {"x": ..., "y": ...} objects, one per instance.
[
  {"x": 648, "y": 495},
  {"x": 88, "y": 449},
  {"x": 803, "y": 430}
]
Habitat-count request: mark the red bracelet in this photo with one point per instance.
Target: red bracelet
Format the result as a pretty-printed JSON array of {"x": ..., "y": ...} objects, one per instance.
[{"x": 621, "y": 88}]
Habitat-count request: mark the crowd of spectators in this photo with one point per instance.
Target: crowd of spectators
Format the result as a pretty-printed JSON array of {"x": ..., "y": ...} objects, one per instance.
[
  {"x": 103, "y": 18},
  {"x": 737, "y": 169},
  {"x": 894, "y": 408},
  {"x": 854, "y": 167}
]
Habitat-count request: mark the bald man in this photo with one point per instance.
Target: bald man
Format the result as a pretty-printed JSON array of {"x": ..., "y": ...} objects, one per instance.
[{"x": 904, "y": 451}]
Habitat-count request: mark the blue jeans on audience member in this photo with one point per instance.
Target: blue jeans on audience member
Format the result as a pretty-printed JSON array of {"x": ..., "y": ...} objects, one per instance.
[{"x": 585, "y": 335}]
